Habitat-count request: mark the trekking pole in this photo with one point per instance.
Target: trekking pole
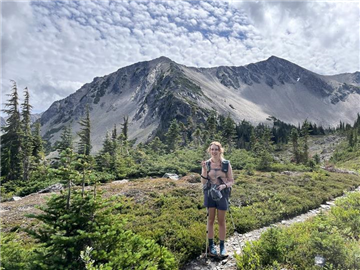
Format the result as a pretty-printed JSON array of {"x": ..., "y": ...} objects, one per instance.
[{"x": 207, "y": 231}]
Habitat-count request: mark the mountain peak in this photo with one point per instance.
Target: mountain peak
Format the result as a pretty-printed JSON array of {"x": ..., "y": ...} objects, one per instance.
[
  {"x": 274, "y": 58},
  {"x": 162, "y": 59}
]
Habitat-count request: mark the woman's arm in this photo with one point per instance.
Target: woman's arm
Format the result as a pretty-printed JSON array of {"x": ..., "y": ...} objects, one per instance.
[
  {"x": 230, "y": 178},
  {"x": 203, "y": 172}
]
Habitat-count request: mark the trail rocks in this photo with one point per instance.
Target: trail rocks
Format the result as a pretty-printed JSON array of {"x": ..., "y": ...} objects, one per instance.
[{"x": 235, "y": 243}]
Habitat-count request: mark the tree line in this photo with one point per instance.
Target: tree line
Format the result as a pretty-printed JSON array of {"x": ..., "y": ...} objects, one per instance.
[{"x": 23, "y": 152}]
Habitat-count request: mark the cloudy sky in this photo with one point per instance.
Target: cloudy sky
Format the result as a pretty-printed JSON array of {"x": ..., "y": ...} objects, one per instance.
[{"x": 54, "y": 47}]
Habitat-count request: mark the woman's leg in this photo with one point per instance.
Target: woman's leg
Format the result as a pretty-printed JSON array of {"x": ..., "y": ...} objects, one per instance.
[
  {"x": 222, "y": 224},
  {"x": 211, "y": 222},
  {"x": 222, "y": 231}
]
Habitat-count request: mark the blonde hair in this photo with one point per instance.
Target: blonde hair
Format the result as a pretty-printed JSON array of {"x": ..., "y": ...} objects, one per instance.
[{"x": 220, "y": 148}]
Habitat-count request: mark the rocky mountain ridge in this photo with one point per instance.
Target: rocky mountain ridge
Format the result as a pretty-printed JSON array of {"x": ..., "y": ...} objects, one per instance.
[{"x": 152, "y": 93}]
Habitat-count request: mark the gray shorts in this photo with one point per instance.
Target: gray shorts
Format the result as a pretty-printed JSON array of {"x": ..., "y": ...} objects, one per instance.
[{"x": 222, "y": 204}]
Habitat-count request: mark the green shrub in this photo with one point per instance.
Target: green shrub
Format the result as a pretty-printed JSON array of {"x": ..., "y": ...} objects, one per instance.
[
  {"x": 16, "y": 253},
  {"x": 333, "y": 236},
  {"x": 68, "y": 227}
]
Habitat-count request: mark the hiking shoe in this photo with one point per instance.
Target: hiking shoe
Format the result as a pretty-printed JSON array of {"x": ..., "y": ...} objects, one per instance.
[
  {"x": 223, "y": 250},
  {"x": 212, "y": 250}
]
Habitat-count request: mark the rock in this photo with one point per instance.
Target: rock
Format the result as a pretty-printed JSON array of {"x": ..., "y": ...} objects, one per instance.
[
  {"x": 52, "y": 188},
  {"x": 172, "y": 176},
  {"x": 15, "y": 198},
  {"x": 120, "y": 181}
]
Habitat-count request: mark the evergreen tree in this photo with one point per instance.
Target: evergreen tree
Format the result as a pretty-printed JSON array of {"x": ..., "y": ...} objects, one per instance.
[
  {"x": 355, "y": 137},
  {"x": 157, "y": 146},
  {"x": 229, "y": 131},
  {"x": 84, "y": 134},
  {"x": 11, "y": 140},
  {"x": 184, "y": 133},
  {"x": 305, "y": 131},
  {"x": 263, "y": 147},
  {"x": 38, "y": 148},
  {"x": 197, "y": 137},
  {"x": 107, "y": 144},
  {"x": 190, "y": 126},
  {"x": 66, "y": 139},
  {"x": 253, "y": 140},
  {"x": 27, "y": 140},
  {"x": 351, "y": 138},
  {"x": 91, "y": 221},
  {"x": 211, "y": 125},
  {"x": 173, "y": 136},
  {"x": 295, "y": 144},
  {"x": 243, "y": 133},
  {"x": 317, "y": 159},
  {"x": 125, "y": 127},
  {"x": 114, "y": 143}
]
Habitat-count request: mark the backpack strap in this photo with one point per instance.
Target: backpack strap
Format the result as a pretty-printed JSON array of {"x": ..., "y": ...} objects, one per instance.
[
  {"x": 208, "y": 162},
  {"x": 225, "y": 165}
]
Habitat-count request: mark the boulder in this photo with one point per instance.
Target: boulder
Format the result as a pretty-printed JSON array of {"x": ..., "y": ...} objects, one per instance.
[
  {"x": 172, "y": 176},
  {"x": 120, "y": 181},
  {"x": 15, "y": 198},
  {"x": 52, "y": 188}
]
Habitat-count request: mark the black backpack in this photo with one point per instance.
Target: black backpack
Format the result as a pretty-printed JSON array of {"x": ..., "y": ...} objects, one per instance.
[{"x": 224, "y": 165}]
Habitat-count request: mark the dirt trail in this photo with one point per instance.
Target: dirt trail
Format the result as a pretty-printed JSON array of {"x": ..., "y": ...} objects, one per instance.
[{"x": 232, "y": 243}]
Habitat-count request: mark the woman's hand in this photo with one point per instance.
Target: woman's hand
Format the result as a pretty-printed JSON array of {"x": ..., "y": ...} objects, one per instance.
[
  {"x": 221, "y": 187},
  {"x": 203, "y": 164}
]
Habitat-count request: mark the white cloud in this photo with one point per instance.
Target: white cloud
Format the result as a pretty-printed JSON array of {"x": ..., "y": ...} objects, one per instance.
[{"x": 55, "y": 47}]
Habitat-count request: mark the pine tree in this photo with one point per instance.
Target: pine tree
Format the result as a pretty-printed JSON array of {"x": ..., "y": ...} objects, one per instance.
[
  {"x": 229, "y": 132},
  {"x": 190, "y": 125},
  {"x": 157, "y": 146},
  {"x": 84, "y": 134},
  {"x": 351, "y": 139},
  {"x": 107, "y": 145},
  {"x": 173, "y": 136},
  {"x": 125, "y": 127},
  {"x": 11, "y": 140},
  {"x": 66, "y": 140},
  {"x": 184, "y": 133},
  {"x": 253, "y": 140},
  {"x": 295, "y": 144},
  {"x": 114, "y": 142},
  {"x": 38, "y": 148},
  {"x": 197, "y": 137},
  {"x": 27, "y": 140},
  {"x": 91, "y": 221},
  {"x": 305, "y": 131},
  {"x": 211, "y": 125}
]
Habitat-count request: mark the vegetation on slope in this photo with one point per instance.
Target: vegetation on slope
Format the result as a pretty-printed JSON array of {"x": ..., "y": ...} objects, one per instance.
[{"x": 161, "y": 221}]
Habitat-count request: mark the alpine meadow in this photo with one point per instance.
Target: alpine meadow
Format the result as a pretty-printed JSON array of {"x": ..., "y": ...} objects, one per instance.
[{"x": 110, "y": 111}]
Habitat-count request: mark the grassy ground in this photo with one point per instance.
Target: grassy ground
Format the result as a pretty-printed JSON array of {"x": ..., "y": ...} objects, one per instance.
[{"x": 171, "y": 212}]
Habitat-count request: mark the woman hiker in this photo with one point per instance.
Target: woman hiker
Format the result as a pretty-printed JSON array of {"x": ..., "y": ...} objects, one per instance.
[{"x": 216, "y": 173}]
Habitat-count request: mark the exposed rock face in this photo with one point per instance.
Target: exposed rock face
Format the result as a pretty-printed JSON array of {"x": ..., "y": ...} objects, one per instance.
[
  {"x": 2, "y": 121},
  {"x": 155, "y": 92}
]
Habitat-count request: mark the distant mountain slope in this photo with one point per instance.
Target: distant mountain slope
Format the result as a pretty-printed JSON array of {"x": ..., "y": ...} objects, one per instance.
[
  {"x": 2, "y": 121},
  {"x": 33, "y": 118},
  {"x": 152, "y": 93}
]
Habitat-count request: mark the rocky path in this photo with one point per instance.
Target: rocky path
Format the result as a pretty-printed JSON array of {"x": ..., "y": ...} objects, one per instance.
[{"x": 233, "y": 242}]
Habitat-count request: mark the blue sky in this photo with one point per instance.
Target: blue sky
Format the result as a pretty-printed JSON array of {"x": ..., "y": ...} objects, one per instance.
[{"x": 54, "y": 47}]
